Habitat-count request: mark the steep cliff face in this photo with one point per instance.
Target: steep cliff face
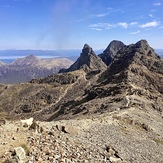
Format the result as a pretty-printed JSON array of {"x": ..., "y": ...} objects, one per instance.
[
  {"x": 109, "y": 53},
  {"x": 88, "y": 61},
  {"x": 136, "y": 62}
]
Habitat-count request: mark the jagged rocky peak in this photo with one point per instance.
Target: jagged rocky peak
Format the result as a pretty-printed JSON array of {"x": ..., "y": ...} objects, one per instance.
[
  {"x": 138, "y": 59},
  {"x": 142, "y": 43},
  {"x": 88, "y": 61},
  {"x": 87, "y": 50},
  {"x": 114, "y": 47},
  {"x": 139, "y": 51},
  {"x": 111, "y": 50},
  {"x": 142, "y": 46}
]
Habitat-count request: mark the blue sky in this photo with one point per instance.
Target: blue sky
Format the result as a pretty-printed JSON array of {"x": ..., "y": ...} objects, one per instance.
[{"x": 69, "y": 24}]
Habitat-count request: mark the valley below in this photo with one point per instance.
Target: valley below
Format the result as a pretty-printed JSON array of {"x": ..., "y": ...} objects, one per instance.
[{"x": 103, "y": 108}]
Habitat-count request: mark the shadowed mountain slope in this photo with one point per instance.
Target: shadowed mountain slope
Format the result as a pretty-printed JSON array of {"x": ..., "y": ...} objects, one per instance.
[
  {"x": 88, "y": 61},
  {"x": 134, "y": 78},
  {"x": 109, "y": 53}
]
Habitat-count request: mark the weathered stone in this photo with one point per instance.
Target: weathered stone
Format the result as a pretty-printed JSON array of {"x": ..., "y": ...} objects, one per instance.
[
  {"x": 111, "y": 151},
  {"x": 12, "y": 160},
  {"x": 2, "y": 121},
  {"x": 20, "y": 153},
  {"x": 71, "y": 130},
  {"x": 115, "y": 160}
]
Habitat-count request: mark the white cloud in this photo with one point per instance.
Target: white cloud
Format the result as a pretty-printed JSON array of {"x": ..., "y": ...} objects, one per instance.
[
  {"x": 134, "y": 33},
  {"x": 150, "y": 24},
  {"x": 161, "y": 27},
  {"x": 99, "y": 15},
  {"x": 101, "y": 25},
  {"x": 134, "y": 23},
  {"x": 123, "y": 24},
  {"x": 151, "y": 15},
  {"x": 157, "y": 4},
  {"x": 96, "y": 29},
  {"x": 108, "y": 26}
]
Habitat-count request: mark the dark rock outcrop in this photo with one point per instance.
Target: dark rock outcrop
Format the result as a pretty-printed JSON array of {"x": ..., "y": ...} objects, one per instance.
[
  {"x": 57, "y": 79},
  {"x": 135, "y": 54},
  {"x": 109, "y": 53},
  {"x": 88, "y": 61}
]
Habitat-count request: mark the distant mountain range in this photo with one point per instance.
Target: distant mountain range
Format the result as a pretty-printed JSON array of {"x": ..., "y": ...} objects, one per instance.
[
  {"x": 8, "y": 56},
  {"x": 17, "y": 66},
  {"x": 159, "y": 52},
  {"x": 27, "y": 68}
]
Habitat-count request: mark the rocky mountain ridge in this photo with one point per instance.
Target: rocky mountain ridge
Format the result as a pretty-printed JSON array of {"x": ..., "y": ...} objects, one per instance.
[
  {"x": 109, "y": 53},
  {"x": 30, "y": 67},
  {"x": 120, "y": 107},
  {"x": 83, "y": 92},
  {"x": 88, "y": 61}
]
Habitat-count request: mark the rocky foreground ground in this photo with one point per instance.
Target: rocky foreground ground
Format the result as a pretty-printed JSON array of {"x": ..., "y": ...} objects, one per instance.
[{"x": 130, "y": 135}]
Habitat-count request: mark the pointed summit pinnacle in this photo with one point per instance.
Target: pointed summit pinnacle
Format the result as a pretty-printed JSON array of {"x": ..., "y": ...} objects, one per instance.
[
  {"x": 88, "y": 61},
  {"x": 87, "y": 50}
]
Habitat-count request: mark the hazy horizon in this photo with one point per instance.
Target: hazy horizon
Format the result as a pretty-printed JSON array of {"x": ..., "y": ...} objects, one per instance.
[{"x": 8, "y": 56}]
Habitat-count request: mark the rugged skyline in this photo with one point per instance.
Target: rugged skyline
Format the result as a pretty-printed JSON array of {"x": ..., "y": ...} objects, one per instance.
[
  {"x": 68, "y": 24},
  {"x": 93, "y": 113}
]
